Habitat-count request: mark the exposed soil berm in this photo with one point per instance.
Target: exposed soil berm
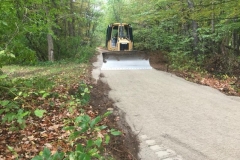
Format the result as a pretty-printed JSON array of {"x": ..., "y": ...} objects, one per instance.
[{"x": 125, "y": 146}]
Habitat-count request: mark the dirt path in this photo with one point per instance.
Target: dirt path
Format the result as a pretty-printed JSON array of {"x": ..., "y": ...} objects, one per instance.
[{"x": 174, "y": 117}]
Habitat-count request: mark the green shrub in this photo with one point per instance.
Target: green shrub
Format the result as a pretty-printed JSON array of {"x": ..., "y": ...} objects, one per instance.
[
  {"x": 5, "y": 56},
  {"x": 22, "y": 54},
  {"x": 185, "y": 61},
  {"x": 84, "y": 54}
]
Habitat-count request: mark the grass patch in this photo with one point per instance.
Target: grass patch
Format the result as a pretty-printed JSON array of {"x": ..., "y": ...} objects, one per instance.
[{"x": 66, "y": 69}]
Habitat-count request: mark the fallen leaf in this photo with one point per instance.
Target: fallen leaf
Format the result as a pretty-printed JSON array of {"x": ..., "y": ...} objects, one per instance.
[
  {"x": 31, "y": 138},
  {"x": 48, "y": 145},
  {"x": 54, "y": 127}
]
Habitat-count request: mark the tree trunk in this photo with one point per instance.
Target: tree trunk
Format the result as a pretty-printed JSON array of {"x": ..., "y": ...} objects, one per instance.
[
  {"x": 194, "y": 31},
  {"x": 235, "y": 39},
  {"x": 213, "y": 27},
  {"x": 50, "y": 48},
  {"x": 71, "y": 23},
  {"x": 213, "y": 19},
  {"x": 238, "y": 44},
  {"x": 49, "y": 36}
]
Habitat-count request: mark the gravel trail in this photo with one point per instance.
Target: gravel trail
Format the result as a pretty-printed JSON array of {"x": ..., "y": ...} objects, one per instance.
[{"x": 175, "y": 119}]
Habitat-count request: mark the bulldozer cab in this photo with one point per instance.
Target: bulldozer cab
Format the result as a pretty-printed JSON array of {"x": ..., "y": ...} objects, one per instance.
[{"x": 119, "y": 37}]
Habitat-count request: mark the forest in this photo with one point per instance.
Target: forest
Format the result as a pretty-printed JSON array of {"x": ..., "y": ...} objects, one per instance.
[
  {"x": 32, "y": 30},
  {"x": 193, "y": 33},
  {"x": 46, "y": 47}
]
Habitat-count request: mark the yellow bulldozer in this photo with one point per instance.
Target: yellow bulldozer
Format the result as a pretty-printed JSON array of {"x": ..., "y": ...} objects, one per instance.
[{"x": 120, "y": 55}]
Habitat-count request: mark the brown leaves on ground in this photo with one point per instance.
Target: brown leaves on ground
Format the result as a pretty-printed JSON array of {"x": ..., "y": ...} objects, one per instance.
[
  {"x": 41, "y": 132},
  {"x": 38, "y": 133},
  {"x": 48, "y": 131},
  {"x": 222, "y": 85},
  {"x": 225, "y": 85}
]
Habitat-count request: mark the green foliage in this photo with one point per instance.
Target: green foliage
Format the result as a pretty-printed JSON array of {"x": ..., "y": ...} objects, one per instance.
[
  {"x": 115, "y": 132},
  {"x": 46, "y": 155},
  {"x": 24, "y": 55},
  {"x": 19, "y": 90},
  {"x": 83, "y": 92},
  {"x": 12, "y": 112},
  {"x": 15, "y": 94},
  {"x": 4, "y": 55},
  {"x": 24, "y": 27},
  {"x": 31, "y": 98},
  {"x": 67, "y": 47},
  {"x": 84, "y": 54},
  {"x": 182, "y": 61},
  {"x": 89, "y": 152},
  {"x": 88, "y": 148},
  {"x": 39, "y": 112}
]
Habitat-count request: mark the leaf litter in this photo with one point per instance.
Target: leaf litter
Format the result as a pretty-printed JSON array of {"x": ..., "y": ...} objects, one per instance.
[{"x": 45, "y": 128}]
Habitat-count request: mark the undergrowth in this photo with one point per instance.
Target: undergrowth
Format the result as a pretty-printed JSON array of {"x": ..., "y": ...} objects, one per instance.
[{"x": 32, "y": 93}]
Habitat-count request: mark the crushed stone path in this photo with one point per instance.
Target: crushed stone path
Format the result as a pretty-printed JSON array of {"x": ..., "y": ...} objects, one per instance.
[{"x": 175, "y": 119}]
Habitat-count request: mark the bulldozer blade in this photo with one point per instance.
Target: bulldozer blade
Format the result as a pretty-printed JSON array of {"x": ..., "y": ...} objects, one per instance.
[{"x": 125, "y": 60}]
